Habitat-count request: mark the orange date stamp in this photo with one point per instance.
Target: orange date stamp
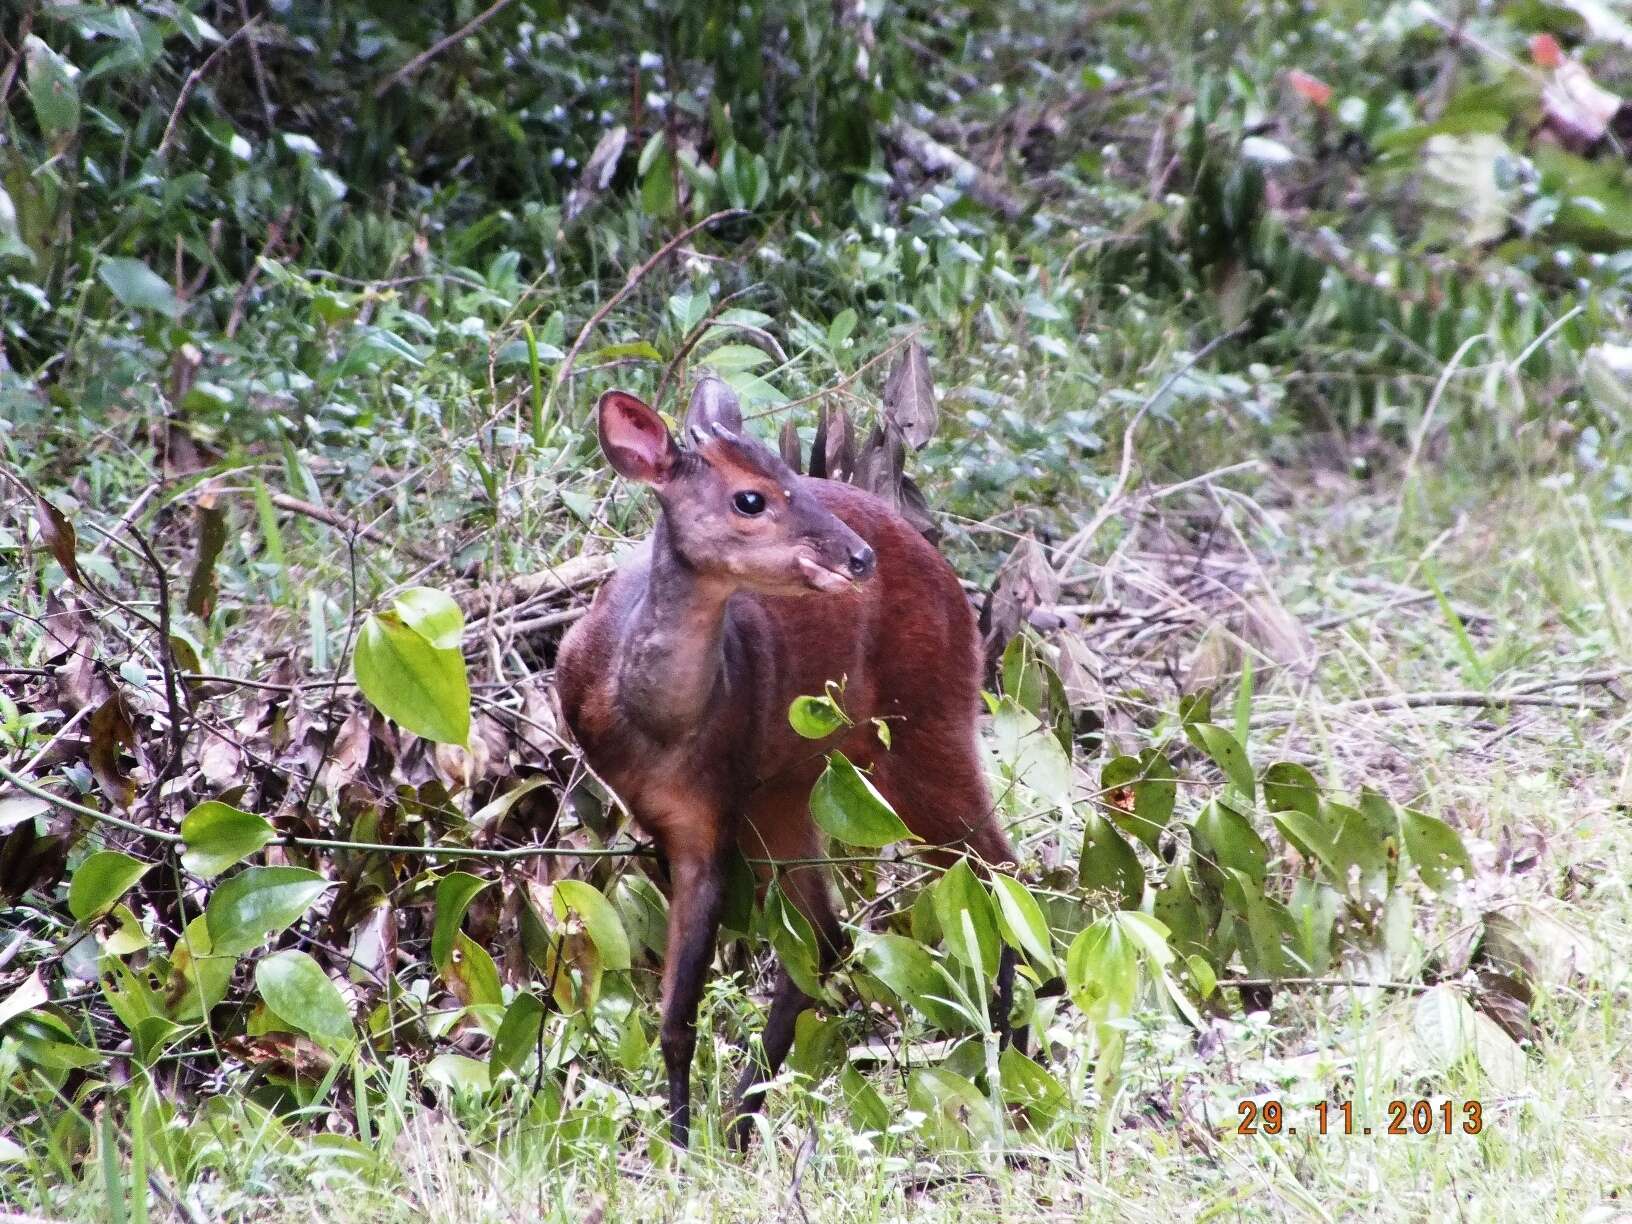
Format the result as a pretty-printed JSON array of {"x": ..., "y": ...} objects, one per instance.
[{"x": 1420, "y": 1117}]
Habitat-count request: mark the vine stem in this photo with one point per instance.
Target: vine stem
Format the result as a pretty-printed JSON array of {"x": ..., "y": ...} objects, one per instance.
[{"x": 516, "y": 854}]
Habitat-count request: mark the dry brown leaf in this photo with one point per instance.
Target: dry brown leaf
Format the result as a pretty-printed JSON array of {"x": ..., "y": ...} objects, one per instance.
[{"x": 909, "y": 397}]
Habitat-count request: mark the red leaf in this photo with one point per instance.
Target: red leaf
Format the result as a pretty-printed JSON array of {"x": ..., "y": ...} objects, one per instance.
[
  {"x": 1309, "y": 87},
  {"x": 1545, "y": 51}
]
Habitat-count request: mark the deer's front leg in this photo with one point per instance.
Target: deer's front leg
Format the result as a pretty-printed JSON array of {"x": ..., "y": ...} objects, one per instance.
[{"x": 694, "y": 919}]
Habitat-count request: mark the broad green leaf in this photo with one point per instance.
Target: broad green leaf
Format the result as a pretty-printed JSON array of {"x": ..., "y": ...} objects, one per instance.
[
  {"x": 296, "y": 988},
  {"x": 51, "y": 89},
  {"x": 599, "y": 917},
  {"x": 958, "y": 1117},
  {"x": 1031, "y": 1087},
  {"x": 1289, "y": 787},
  {"x": 136, "y": 285},
  {"x": 257, "y": 902},
  {"x": 1435, "y": 848},
  {"x": 218, "y": 835},
  {"x": 902, "y": 964},
  {"x": 848, "y": 807},
  {"x": 459, "y": 1073},
  {"x": 1147, "y": 934},
  {"x": 1189, "y": 914},
  {"x": 1155, "y": 790},
  {"x": 816, "y": 717},
  {"x": 100, "y": 881},
  {"x": 454, "y": 893},
  {"x": 1102, "y": 971},
  {"x": 968, "y": 926},
  {"x": 1021, "y": 922},
  {"x": 1108, "y": 863},
  {"x": 1227, "y": 840},
  {"x": 473, "y": 977},
  {"x": 868, "y": 1112},
  {"x": 433, "y": 615},
  {"x": 517, "y": 1038},
  {"x": 199, "y": 976},
  {"x": 794, "y": 940},
  {"x": 45, "y": 1040},
  {"x": 1226, "y": 752},
  {"x": 418, "y": 685}
]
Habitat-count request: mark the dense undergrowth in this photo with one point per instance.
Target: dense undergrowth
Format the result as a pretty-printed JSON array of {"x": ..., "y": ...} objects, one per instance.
[{"x": 1282, "y": 360}]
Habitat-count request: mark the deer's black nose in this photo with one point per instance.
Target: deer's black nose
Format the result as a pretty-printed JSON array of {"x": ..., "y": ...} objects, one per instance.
[{"x": 861, "y": 562}]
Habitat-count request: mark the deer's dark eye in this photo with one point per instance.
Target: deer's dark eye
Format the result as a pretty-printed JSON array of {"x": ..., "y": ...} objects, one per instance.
[{"x": 748, "y": 502}]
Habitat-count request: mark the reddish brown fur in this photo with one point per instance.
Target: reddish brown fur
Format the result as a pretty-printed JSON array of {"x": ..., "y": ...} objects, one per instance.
[{"x": 905, "y": 646}]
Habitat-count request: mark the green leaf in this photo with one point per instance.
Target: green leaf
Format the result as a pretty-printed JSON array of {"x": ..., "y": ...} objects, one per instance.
[
  {"x": 1108, "y": 863},
  {"x": 199, "y": 976},
  {"x": 1151, "y": 777},
  {"x": 100, "y": 881},
  {"x": 868, "y": 1112},
  {"x": 1226, "y": 752},
  {"x": 1189, "y": 914},
  {"x": 433, "y": 615},
  {"x": 1291, "y": 788},
  {"x": 600, "y": 920},
  {"x": 848, "y": 807},
  {"x": 1435, "y": 848},
  {"x": 472, "y": 975},
  {"x": 816, "y": 717},
  {"x": 459, "y": 1073},
  {"x": 958, "y": 1117},
  {"x": 794, "y": 940},
  {"x": 1031, "y": 1087},
  {"x": 1228, "y": 840},
  {"x": 517, "y": 1038},
  {"x": 1021, "y": 922},
  {"x": 419, "y": 685},
  {"x": 218, "y": 835},
  {"x": 296, "y": 988},
  {"x": 454, "y": 893},
  {"x": 51, "y": 89},
  {"x": 136, "y": 285},
  {"x": 1102, "y": 971},
  {"x": 257, "y": 902},
  {"x": 902, "y": 964},
  {"x": 968, "y": 926}
]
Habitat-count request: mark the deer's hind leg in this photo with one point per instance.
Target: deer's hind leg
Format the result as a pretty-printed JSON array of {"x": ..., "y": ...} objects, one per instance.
[
  {"x": 779, "y": 827},
  {"x": 935, "y": 780}
]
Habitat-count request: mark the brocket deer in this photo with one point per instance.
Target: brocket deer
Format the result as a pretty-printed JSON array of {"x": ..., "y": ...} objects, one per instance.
[{"x": 756, "y": 586}]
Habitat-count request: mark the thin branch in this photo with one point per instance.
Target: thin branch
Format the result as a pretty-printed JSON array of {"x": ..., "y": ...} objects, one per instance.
[
  {"x": 191, "y": 83},
  {"x": 435, "y": 49},
  {"x": 1113, "y": 503},
  {"x": 341, "y": 523},
  {"x": 1532, "y": 694},
  {"x": 1407, "y": 987},
  {"x": 634, "y": 278}
]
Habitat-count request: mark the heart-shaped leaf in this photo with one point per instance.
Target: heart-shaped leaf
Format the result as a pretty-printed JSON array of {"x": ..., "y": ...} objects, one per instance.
[
  {"x": 454, "y": 893},
  {"x": 257, "y": 902},
  {"x": 218, "y": 835},
  {"x": 136, "y": 285},
  {"x": 848, "y": 807},
  {"x": 407, "y": 673},
  {"x": 100, "y": 881},
  {"x": 296, "y": 988}
]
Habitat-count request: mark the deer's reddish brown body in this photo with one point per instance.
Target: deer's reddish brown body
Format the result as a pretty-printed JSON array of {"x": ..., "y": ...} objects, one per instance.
[{"x": 677, "y": 685}]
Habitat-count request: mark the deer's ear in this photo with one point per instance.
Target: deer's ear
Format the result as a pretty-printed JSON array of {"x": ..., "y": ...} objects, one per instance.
[
  {"x": 634, "y": 439},
  {"x": 714, "y": 405}
]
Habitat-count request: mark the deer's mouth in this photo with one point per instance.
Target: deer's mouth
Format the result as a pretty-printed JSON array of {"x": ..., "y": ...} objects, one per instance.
[{"x": 819, "y": 577}]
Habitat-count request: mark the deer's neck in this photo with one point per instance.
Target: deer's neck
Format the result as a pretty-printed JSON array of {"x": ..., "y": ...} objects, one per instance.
[{"x": 673, "y": 661}]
